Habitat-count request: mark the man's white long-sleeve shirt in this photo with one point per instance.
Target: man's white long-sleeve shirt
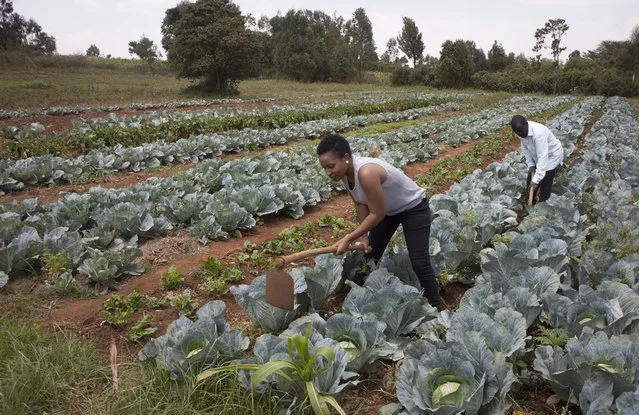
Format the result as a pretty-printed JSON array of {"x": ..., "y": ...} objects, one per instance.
[{"x": 542, "y": 150}]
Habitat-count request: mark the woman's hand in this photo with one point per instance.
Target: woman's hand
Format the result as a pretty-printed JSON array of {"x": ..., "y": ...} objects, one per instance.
[{"x": 343, "y": 244}]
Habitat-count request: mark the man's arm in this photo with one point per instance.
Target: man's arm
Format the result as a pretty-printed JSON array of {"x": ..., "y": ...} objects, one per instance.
[{"x": 541, "y": 148}]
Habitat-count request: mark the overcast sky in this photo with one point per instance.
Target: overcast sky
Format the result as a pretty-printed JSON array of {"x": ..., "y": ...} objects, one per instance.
[{"x": 111, "y": 24}]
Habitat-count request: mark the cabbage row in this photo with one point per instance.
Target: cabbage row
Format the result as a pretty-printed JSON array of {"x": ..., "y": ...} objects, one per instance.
[
  {"x": 61, "y": 111},
  {"x": 470, "y": 370},
  {"x": 518, "y": 288},
  {"x": 15, "y": 174},
  {"x": 211, "y": 201},
  {"x": 157, "y": 118}
]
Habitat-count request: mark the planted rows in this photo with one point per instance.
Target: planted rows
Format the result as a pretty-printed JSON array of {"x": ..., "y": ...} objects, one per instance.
[
  {"x": 173, "y": 125},
  {"x": 61, "y": 111},
  {"x": 47, "y": 169},
  {"x": 99, "y": 230},
  {"x": 470, "y": 370}
]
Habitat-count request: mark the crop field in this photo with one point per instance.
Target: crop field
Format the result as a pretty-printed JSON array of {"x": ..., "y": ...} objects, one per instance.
[{"x": 135, "y": 238}]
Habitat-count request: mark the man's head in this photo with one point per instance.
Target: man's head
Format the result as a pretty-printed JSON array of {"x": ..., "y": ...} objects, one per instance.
[{"x": 519, "y": 126}]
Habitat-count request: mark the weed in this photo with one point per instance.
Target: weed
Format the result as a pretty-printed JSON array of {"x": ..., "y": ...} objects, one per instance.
[{"x": 172, "y": 279}]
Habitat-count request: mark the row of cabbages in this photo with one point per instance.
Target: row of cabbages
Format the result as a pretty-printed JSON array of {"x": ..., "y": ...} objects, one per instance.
[
  {"x": 599, "y": 301},
  {"x": 60, "y": 111},
  {"x": 518, "y": 289},
  {"x": 213, "y": 200},
  {"x": 15, "y": 174},
  {"x": 156, "y": 118},
  {"x": 471, "y": 369}
]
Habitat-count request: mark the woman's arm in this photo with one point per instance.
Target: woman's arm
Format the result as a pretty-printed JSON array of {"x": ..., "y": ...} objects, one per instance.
[
  {"x": 361, "y": 210},
  {"x": 371, "y": 177}
]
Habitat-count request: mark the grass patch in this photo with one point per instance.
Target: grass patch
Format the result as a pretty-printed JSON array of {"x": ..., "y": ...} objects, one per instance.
[
  {"x": 46, "y": 372},
  {"x": 59, "y": 373}
]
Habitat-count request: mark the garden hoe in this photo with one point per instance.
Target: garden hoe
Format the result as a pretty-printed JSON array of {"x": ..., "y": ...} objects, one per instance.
[{"x": 279, "y": 284}]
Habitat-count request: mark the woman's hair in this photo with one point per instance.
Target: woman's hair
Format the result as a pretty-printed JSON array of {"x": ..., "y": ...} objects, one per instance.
[{"x": 335, "y": 143}]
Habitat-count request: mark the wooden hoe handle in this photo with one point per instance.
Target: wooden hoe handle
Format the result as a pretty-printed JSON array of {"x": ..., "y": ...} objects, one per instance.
[{"x": 282, "y": 261}]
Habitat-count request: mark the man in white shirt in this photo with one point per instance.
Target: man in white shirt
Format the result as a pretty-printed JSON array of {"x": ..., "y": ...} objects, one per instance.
[{"x": 543, "y": 154}]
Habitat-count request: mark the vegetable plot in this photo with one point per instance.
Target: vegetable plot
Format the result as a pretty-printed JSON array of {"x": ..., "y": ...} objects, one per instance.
[
  {"x": 464, "y": 362},
  {"x": 217, "y": 198}
]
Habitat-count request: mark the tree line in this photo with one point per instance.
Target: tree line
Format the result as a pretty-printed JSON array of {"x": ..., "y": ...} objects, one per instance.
[{"x": 212, "y": 42}]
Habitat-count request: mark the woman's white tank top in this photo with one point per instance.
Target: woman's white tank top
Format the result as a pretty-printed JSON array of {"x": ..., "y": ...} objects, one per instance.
[{"x": 400, "y": 192}]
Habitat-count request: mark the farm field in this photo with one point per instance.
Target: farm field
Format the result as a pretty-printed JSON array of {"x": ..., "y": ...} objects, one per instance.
[{"x": 145, "y": 235}]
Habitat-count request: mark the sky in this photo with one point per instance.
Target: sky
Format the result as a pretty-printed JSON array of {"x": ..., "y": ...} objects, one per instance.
[{"x": 111, "y": 24}]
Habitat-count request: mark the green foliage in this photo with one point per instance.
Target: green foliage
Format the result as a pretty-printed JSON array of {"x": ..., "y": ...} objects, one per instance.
[
  {"x": 309, "y": 46},
  {"x": 93, "y": 50},
  {"x": 183, "y": 302},
  {"x": 582, "y": 76},
  {"x": 53, "y": 264},
  {"x": 300, "y": 369},
  {"x": 208, "y": 40},
  {"x": 359, "y": 35},
  {"x": 555, "y": 29},
  {"x": 144, "y": 49},
  {"x": 138, "y": 331},
  {"x": 47, "y": 371},
  {"x": 16, "y": 32},
  {"x": 260, "y": 260},
  {"x": 337, "y": 225},
  {"x": 99, "y": 137},
  {"x": 556, "y": 337},
  {"x": 497, "y": 59},
  {"x": 117, "y": 309},
  {"x": 456, "y": 65},
  {"x": 172, "y": 279},
  {"x": 217, "y": 276},
  {"x": 410, "y": 40},
  {"x": 153, "y": 302}
]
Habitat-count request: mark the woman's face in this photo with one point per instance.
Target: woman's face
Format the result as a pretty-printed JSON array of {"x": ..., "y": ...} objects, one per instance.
[{"x": 335, "y": 166}]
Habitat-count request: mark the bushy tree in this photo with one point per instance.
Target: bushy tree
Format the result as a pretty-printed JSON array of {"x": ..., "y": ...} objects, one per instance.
[
  {"x": 410, "y": 40},
  {"x": 309, "y": 46},
  {"x": 455, "y": 67},
  {"x": 497, "y": 59},
  {"x": 359, "y": 35},
  {"x": 208, "y": 40},
  {"x": 18, "y": 33},
  {"x": 391, "y": 53},
  {"x": 480, "y": 63},
  {"x": 144, "y": 49},
  {"x": 93, "y": 50},
  {"x": 555, "y": 29}
]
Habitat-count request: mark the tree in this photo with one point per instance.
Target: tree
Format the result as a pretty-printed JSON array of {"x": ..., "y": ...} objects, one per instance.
[
  {"x": 359, "y": 35},
  {"x": 575, "y": 54},
  {"x": 410, "y": 40},
  {"x": 18, "y": 33},
  {"x": 392, "y": 52},
  {"x": 555, "y": 28},
  {"x": 479, "y": 57},
  {"x": 144, "y": 49},
  {"x": 208, "y": 40},
  {"x": 497, "y": 59},
  {"x": 93, "y": 50},
  {"x": 455, "y": 67},
  {"x": 309, "y": 46}
]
